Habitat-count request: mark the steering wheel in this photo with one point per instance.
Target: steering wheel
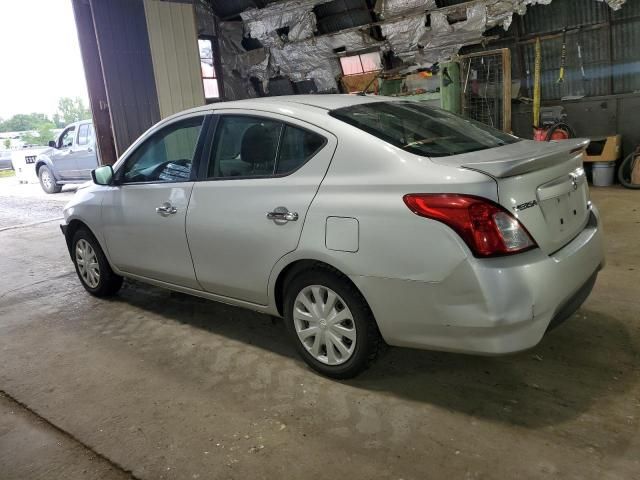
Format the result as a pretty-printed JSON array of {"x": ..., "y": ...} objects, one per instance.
[{"x": 155, "y": 174}]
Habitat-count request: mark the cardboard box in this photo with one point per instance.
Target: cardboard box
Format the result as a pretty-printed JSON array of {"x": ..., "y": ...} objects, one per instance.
[{"x": 604, "y": 149}]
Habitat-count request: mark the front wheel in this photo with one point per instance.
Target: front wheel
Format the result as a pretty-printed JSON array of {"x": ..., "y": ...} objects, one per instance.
[
  {"x": 92, "y": 266},
  {"x": 47, "y": 181},
  {"x": 330, "y": 323}
]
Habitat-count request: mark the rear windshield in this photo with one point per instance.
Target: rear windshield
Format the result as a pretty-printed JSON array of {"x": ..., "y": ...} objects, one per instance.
[{"x": 422, "y": 130}]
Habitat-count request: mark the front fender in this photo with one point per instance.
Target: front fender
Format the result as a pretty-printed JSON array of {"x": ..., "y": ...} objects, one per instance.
[
  {"x": 44, "y": 159},
  {"x": 86, "y": 207}
]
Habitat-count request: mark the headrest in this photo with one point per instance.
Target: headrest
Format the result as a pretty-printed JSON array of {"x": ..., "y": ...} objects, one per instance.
[{"x": 258, "y": 145}]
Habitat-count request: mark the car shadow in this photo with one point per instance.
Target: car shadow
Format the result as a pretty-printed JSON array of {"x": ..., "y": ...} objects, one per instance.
[{"x": 584, "y": 360}]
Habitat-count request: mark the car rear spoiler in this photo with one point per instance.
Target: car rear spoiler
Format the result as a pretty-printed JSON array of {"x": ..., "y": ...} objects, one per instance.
[{"x": 538, "y": 156}]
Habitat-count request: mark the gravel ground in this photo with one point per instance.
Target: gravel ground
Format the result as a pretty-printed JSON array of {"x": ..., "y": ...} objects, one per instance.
[
  {"x": 168, "y": 386},
  {"x": 22, "y": 204}
]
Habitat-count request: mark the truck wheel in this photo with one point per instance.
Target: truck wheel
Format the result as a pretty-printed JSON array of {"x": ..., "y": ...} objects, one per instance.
[{"x": 48, "y": 181}]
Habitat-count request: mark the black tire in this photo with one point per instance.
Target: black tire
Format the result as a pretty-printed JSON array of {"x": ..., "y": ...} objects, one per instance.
[
  {"x": 49, "y": 186},
  {"x": 109, "y": 282},
  {"x": 368, "y": 339}
]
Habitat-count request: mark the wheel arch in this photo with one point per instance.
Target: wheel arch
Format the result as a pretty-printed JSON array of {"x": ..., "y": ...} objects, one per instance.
[
  {"x": 72, "y": 227},
  {"x": 75, "y": 224},
  {"x": 296, "y": 266},
  {"x": 45, "y": 161}
]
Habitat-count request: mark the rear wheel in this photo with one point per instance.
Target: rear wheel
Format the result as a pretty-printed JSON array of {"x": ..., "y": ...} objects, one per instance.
[
  {"x": 92, "y": 266},
  {"x": 330, "y": 323},
  {"x": 48, "y": 181}
]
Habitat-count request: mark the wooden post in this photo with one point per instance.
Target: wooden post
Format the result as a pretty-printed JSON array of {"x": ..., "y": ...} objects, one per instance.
[
  {"x": 450, "y": 96},
  {"x": 536, "y": 84},
  {"x": 506, "y": 91},
  {"x": 95, "y": 82}
]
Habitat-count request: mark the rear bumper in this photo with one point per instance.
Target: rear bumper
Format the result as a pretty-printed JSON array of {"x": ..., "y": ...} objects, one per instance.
[{"x": 488, "y": 306}]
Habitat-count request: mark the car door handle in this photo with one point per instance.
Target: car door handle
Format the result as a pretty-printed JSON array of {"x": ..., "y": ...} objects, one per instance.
[
  {"x": 166, "y": 209},
  {"x": 282, "y": 215}
]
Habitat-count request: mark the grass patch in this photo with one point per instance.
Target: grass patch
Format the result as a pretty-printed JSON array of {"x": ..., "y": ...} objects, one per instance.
[{"x": 7, "y": 173}]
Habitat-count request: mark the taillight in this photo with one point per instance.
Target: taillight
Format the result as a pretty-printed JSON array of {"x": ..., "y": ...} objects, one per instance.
[{"x": 487, "y": 228}]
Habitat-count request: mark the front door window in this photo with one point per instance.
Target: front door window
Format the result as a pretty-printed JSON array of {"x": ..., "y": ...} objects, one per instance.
[
  {"x": 166, "y": 156},
  {"x": 66, "y": 139}
]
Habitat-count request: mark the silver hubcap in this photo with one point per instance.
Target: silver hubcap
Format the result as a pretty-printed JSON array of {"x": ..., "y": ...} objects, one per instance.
[
  {"x": 324, "y": 324},
  {"x": 87, "y": 262},
  {"x": 46, "y": 179}
]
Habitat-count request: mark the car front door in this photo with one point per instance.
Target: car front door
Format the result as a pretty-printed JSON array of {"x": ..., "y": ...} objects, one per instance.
[
  {"x": 144, "y": 212},
  {"x": 62, "y": 157},
  {"x": 258, "y": 163},
  {"x": 84, "y": 152}
]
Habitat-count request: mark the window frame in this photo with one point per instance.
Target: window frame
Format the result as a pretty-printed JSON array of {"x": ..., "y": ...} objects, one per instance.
[
  {"x": 359, "y": 55},
  {"x": 215, "y": 132},
  {"x": 73, "y": 137},
  {"x": 197, "y": 155},
  {"x": 217, "y": 68},
  {"x": 87, "y": 125}
]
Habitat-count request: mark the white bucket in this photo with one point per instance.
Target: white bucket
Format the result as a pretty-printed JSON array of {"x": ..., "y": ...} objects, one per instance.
[{"x": 603, "y": 174}]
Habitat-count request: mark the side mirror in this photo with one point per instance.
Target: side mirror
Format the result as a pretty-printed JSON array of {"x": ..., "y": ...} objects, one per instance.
[
  {"x": 52, "y": 143},
  {"x": 103, "y": 175}
]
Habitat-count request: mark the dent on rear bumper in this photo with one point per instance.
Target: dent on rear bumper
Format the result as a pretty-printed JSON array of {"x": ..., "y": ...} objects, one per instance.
[{"x": 486, "y": 306}]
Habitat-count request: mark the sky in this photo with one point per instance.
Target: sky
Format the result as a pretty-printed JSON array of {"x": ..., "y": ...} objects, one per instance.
[{"x": 39, "y": 56}]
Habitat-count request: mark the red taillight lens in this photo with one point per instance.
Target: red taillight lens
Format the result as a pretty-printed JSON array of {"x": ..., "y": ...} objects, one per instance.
[{"x": 487, "y": 228}]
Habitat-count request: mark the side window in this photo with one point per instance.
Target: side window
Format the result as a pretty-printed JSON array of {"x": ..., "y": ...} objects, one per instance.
[
  {"x": 66, "y": 139},
  {"x": 166, "y": 156},
  {"x": 245, "y": 147},
  {"x": 83, "y": 134},
  {"x": 296, "y": 148}
]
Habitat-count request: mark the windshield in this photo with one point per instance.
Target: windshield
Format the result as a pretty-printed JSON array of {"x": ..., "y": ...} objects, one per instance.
[{"x": 422, "y": 130}]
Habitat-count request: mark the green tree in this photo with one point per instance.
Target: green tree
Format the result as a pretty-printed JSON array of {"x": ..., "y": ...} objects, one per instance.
[
  {"x": 72, "y": 110},
  {"x": 7, "y": 143},
  {"x": 22, "y": 122},
  {"x": 43, "y": 133},
  {"x": 58, "y": 120}
]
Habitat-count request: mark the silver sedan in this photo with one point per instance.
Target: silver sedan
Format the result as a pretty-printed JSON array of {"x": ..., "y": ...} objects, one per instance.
[{"x": 358, "y": 219}]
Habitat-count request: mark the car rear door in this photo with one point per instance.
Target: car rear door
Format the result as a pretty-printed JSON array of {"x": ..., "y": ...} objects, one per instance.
[
  {"x": 248, "y": 211},
  {"x": 144, "y": 213},
  {"x": 84, "y": 152}
]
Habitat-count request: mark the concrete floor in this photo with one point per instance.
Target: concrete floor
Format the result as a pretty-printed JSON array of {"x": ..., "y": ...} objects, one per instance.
[{"x": 160, "y": 385}]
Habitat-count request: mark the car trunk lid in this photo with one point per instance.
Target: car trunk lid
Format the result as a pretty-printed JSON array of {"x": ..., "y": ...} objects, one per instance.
[{"x": 541, "y": 184}]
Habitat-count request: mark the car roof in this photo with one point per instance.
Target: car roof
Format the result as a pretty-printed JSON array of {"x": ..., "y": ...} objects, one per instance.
[
  {"x": 314, "y": 102},
  {"x": 78, "y": 123},
  {"x": 324, "y": 101}
]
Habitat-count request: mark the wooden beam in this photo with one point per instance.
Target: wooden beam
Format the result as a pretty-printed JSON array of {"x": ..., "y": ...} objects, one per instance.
[{"x": 95, "y": 82}]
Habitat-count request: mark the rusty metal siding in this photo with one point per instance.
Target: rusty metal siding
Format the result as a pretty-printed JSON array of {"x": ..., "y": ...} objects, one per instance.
[
  {"x": 611, "y": 59},
  {"x": 626, "y": 56},
  {"x": 127, "y": 68},
  {"x": 595, "y": 60},
  {"x": 563, "y": 14},
  {"x": 629, "y": 10},
  {"x": 341, "y": 14}
]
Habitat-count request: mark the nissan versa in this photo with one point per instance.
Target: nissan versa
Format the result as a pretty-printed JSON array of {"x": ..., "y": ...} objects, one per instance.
[{"x": 358, "y": 219}]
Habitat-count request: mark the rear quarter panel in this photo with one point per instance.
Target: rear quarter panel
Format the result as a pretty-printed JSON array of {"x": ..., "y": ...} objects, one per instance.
[{"x": 367, "y": 180}]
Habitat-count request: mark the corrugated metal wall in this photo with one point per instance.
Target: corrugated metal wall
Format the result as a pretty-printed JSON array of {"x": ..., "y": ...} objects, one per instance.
[
  {"x": 341, "y": 14},
  {"x": 174, "y": 50},
  {"x": 609, "y": 41},
  {"x": 121, "y": 29}
]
